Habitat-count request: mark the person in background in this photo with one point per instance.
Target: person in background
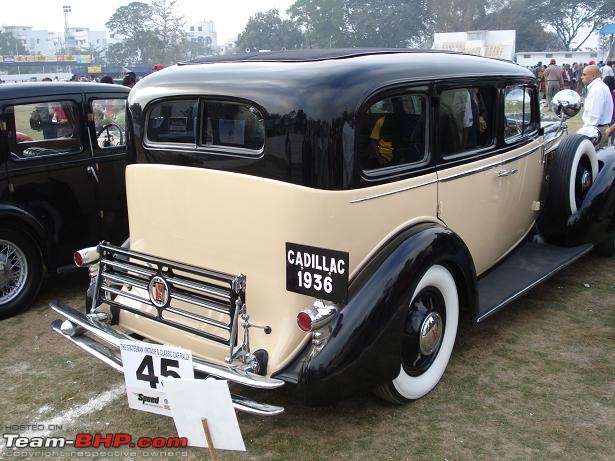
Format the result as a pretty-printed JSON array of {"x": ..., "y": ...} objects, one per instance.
[
  {"x": 106, "y": 79},
  {"x": 598, "y": 104},
  {"x": 607, "y": 70},
  {"x": 580, "y": 87},
  {"x": 566, "y": 77},
  {"x": 575, "y": 75},
  {"x": 46, "y": 79},
  {"x": 553, "y": 81},
  {"x": 129, "y": 79},
  {"x": 610, "y": 82},
  {"x": 541, "y": 83},
  {"x": 157, "y": 67}
]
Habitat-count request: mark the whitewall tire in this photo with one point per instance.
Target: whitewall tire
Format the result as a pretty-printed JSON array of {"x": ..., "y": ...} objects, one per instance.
[{"x": 429, "y": 333}]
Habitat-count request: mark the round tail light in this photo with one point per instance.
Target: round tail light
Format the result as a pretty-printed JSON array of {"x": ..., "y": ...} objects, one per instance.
[{"x": 304, "y": 320}]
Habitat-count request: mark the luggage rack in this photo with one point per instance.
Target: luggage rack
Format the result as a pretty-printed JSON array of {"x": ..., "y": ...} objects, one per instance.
[{"x": 215, "y": 297}]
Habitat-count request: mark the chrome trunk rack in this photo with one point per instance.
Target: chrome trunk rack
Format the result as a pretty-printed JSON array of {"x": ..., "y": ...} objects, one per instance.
[{"x": 203, "y": 302}]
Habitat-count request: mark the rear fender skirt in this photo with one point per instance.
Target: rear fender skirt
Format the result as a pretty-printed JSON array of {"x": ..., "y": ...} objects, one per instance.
[
  {"x": 364, "y": 348},
  {"x": 23, "y": 219}
]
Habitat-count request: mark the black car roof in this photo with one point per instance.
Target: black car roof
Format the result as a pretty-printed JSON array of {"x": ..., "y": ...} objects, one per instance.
[
  {"x": 331, "y": 80},
  {"x": 306, "y": 55},
  {"x": 29, "y": 89}
]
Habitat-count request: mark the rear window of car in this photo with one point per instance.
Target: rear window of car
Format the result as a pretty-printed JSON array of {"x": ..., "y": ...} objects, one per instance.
[
  {"x": 392, "y": 132},
  {"x": 172, "y": 122},
  {"x": 216, "y": 124},
  {"x": 231, "y": 124}
]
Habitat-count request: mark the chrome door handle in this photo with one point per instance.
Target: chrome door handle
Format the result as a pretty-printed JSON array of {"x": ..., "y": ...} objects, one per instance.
[
  {"x": 92, "y": 172},
  {"x": 503, "y": 173}
]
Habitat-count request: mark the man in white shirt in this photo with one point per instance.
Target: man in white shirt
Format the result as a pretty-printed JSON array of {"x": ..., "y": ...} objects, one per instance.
[
  {"x": 598, "y": 106},
  {"x": 607, "y": 70}
]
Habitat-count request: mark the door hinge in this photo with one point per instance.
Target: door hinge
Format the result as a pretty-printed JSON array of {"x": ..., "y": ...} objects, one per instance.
[
  {"x": 2, "y": 126},
  {"x": 536, "y": 205},
  {"x": 439, "y": 209}
]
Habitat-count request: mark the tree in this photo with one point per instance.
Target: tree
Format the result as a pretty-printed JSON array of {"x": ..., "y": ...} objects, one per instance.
[
  {"x": 573, "y": 20},
  {"x": 148, "y": 33},
  {"x": 458, "y": 15},
  {"x": 169, "y": 29},
  {"x": 323, "y": 22},
  {"x": 97, "y": 54},
  {"x": 11, "y": 45},
  {"x": 269, "y": 31},
  {"x": 531, "y": 36},
  {"x": 389, "y": 23}
]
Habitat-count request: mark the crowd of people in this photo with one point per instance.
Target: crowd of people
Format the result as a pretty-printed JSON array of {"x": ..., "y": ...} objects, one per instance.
[{"x": 595, "y": 82}]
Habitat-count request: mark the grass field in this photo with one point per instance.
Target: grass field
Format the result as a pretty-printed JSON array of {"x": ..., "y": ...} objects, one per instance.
[{"x": 535, "y": 382}]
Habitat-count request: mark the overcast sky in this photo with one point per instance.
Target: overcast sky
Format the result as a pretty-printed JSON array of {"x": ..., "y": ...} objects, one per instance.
[{"x": 229, "y": 16}]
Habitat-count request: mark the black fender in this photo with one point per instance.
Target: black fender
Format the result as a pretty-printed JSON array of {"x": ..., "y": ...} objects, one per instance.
[
  {"x": 595, "y": 219},
  {"x": 364, "y": 349},
  {"x": 19, "y": 217}
]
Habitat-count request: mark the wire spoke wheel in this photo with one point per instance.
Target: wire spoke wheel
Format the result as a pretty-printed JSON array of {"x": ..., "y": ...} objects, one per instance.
[{"x": 13, "y": 271}]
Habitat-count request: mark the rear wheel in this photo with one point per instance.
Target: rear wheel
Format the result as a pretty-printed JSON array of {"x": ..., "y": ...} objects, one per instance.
[
  {"x": 428, "y": 338},
  {"x": 20, "y": 271}
]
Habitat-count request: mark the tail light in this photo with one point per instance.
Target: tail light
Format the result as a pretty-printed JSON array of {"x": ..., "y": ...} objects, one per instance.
[
  {"x": 86, "y": 257},
  {"x": 317, "y": 316}
]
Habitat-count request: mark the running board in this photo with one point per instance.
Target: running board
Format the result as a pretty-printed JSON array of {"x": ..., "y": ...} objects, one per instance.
[{"x": 527, "y": 267}]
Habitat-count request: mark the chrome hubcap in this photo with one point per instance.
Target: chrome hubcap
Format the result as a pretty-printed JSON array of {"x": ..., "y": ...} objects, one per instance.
[
  {"x": 430, "y": 333},
  {"x": 423, "y": 331},
  {"x": 586, "y": 181},
  {"x": 13, "y": 271}
]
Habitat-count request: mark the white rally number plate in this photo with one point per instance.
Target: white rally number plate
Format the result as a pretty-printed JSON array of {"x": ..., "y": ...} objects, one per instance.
[{"x": 145, "y": 365}]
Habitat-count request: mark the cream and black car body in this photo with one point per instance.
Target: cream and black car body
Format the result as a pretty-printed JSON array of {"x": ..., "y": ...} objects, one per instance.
[{"x": 325, "y": 219}]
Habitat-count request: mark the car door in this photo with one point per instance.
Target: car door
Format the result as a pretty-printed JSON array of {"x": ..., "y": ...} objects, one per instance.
[
  {"x": 107, "y": 127},
  {"x": 487, "y": 186},
  {"x": 49, "y": 162},
  {"x": 471, "y": 195},
  {"x": 523, "y": 161}
]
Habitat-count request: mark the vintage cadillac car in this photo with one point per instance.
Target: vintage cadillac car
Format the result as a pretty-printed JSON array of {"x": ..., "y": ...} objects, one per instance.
[
  {"x": 325, "y": 219},
  {"x": 62, "y": 160}
]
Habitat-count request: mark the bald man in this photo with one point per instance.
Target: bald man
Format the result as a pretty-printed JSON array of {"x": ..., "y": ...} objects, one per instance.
[{"x": 598, "y": 106}]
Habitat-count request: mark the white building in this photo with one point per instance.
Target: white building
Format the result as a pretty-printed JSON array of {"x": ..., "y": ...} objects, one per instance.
[
  {"x": 531, "y": 58},
  {"x": 43, "y": 42},
  {"x": 203, "y": 33},
  {"x": 35, "y": 41},
  {"x": 492, "y": 43},
  {"x": 84, "y": 38}
]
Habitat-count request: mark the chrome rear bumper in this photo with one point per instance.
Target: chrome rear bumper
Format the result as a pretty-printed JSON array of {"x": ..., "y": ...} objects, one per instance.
[{"x": 105, "y": 342}]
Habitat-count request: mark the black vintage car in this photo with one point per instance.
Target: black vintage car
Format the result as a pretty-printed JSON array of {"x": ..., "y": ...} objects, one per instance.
[
  {"x": 324, "y": 219},
  {"x": 62, "y": 160}
]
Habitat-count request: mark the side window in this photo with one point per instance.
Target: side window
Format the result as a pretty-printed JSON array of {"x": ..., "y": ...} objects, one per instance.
[
  {"x": 46, "y": 128},
  {"x": 518, "y": 102},
  {"x": 466, "y": 119},
  {"x": 172, "y": 122},
  {"x": 392, "y": 131},
  {"x": 110, "y": 121},
  {"x": 232, "y": 124}
]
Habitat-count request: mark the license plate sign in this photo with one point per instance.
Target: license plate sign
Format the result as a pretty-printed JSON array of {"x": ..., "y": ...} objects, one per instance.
[{"x": 317, "y": 272}]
